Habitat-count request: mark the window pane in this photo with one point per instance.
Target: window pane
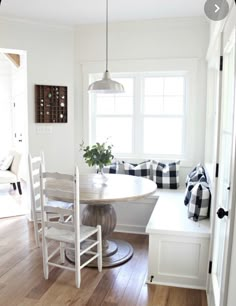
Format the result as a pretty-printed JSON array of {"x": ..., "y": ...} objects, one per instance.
[
  {"x": 174, "y": 86},
  {"x": 153, "y": 105},
  {"x": 123, "y": 105},
  {"x": 105, "y": 104},
  {"x": 153, "y": 102},
  {"x": 111, "y": 104},
  {"x": 153, "y": 86},
  {"x": 163, "y": 136},
  {"x": 118, "y": 131},
  {"x": 173, "y": 105}
]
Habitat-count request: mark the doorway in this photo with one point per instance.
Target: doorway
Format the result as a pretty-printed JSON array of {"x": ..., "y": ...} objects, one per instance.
[{"x": 13, "y": 126}]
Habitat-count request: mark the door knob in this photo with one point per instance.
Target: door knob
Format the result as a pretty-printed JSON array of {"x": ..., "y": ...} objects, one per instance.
[{"x": 221, "y": 213}]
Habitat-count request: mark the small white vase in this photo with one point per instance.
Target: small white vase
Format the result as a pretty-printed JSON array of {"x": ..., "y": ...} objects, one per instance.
[{"x": 102, "y": 175}]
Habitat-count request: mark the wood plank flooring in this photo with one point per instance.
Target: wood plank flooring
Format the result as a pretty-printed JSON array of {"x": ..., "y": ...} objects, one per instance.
[
  {"x": 11, "y": 202},
  {"x": 22, "y": 282}
]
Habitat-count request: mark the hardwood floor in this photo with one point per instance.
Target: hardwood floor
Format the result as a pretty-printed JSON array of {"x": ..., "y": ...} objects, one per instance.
[
  {"x": 22, "y": 282},
  {"x": 11, "y": 202}
]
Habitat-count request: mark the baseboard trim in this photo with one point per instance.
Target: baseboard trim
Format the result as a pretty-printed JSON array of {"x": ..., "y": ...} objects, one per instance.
[
  {"x": 131, "y": 229},
  {"x": 176, "y": 285}
]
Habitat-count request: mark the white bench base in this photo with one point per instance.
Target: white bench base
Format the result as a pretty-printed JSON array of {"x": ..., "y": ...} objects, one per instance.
[{"x": 178, "y": 246}]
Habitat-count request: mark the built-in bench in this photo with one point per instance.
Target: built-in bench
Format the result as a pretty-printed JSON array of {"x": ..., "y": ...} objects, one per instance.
[{"x": 178, "y": 246}]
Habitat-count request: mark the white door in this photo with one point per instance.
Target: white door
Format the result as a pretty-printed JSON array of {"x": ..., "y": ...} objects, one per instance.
[{"x": 222, "y": 241}]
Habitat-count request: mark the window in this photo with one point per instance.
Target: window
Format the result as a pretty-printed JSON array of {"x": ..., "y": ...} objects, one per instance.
[{"x": 148, "y": 120}]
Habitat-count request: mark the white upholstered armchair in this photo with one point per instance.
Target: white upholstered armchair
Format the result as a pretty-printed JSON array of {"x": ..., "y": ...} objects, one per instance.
[{"x": 10, "y": 170}]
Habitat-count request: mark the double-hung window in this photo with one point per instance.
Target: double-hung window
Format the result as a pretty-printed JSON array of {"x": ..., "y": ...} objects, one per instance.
[{"x": 148, "y": 120}]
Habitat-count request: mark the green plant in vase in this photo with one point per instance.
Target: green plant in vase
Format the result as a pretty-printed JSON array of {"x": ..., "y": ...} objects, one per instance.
[{"x": 99, "y": 154}]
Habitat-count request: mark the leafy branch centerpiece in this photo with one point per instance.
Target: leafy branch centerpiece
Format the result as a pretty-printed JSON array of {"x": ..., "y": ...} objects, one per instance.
[{"x": 99, "y": 154}]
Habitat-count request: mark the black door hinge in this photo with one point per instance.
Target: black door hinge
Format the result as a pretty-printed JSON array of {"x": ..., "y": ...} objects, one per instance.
[
  {"x": 217, "y": 170},
  {"x": 221, "y": 63},
  {"x": 210, "y": 267}
]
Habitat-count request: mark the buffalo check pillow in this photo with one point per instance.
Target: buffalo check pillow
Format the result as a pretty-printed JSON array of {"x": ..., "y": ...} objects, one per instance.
[
  {"x": 166, "y": 175},
  {"x": 199, "y": 203},
  {"x": 112, "y": 168},
  {"x": 143, "y": 169},
  {"x": 190, "y": 186},
  {"x": 196, "y": 174}
]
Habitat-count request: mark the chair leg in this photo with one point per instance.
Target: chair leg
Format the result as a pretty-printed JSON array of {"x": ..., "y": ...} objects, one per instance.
[
  {"x": 19, "y": 187},
  {"x": 14, "y": 185},
  {"x": 77, "y": 266},
  {"x": 62, "y": 252},
  {"x": 36, "y": 233},
  {"x": 99, "y": 248},
  {"x": 45, "y": 258},
  {"x": 77, "y": 279}
]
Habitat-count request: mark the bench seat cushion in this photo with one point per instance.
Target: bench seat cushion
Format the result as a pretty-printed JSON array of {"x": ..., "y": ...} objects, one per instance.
[{"x": 170, "y": 216}]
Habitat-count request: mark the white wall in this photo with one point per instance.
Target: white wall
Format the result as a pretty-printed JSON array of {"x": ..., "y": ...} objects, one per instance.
[{"x": 50, "y": 60}]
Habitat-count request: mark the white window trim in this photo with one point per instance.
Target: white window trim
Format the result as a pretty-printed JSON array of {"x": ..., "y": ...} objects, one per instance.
[{"x": 189, "y": 67}]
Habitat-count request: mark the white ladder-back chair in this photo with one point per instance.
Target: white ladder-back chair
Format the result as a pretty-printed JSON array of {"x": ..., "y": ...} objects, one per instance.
[
  {"x": 84, "y": 240},
  {"x": 34, "y": 174}
]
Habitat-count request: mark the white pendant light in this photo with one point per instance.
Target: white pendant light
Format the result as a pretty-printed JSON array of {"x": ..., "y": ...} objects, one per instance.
[{"x": 106, "y": 84}]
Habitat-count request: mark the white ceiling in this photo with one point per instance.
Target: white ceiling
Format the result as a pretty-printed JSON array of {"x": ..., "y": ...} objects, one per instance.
[{"x": 74, "y": 12}]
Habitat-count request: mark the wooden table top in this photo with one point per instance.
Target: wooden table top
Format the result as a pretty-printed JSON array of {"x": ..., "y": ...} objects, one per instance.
[{"x": 117, "y": 188}]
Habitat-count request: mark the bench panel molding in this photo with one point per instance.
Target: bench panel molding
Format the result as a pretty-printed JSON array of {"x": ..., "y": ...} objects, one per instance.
[
  {"x": 178, "y": 247},
  {"x": 178, "y": 261}
]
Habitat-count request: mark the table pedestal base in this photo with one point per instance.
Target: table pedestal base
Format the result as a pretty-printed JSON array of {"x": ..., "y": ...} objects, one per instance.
[
  {"x": 114, "y": 252},
  {"x": 119, "y": 252}
]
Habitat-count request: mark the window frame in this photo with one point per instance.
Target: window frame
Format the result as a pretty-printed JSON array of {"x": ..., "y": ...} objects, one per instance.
[
  {"x": 195, "y": 106},
  {"x": 138, "y": 116}
]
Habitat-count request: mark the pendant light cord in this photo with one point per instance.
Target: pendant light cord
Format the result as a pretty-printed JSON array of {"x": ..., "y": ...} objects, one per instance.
[{"x": 107, "y": 35}]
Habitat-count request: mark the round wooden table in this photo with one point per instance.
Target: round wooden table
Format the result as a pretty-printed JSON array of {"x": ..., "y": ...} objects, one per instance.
[{"x": 99, "y": 193}]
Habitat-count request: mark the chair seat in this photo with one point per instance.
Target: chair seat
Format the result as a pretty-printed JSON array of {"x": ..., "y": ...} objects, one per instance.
[
  {"x": 69, "y": 236},
  {"x": 7, "y": 177},
  {"x": 60, "y": 204}
]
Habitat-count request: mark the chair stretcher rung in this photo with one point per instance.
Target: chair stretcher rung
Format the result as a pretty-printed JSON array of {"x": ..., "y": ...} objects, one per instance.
[
  {"x": 88, "y": 261},
  {"x": 89, "y": 247},
  {"x": 60, "y": 266},
  {"x": 53, "y": 253}
]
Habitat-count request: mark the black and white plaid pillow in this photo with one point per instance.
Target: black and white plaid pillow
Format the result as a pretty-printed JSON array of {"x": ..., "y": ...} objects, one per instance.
[
  {"x": 191, "y": 184},
  {"x": 199, "y": 203},
  {"x": 166, "y": 175},
  {"x": 112, "y": 168},
  {"x": 195, "y": 174},
  {"x": 143, "y": 169}
]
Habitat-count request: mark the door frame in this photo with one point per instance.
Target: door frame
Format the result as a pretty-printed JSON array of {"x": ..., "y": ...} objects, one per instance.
[
  {"x": 23, "y": 55},
  {"x": 230, "y": 226}
]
